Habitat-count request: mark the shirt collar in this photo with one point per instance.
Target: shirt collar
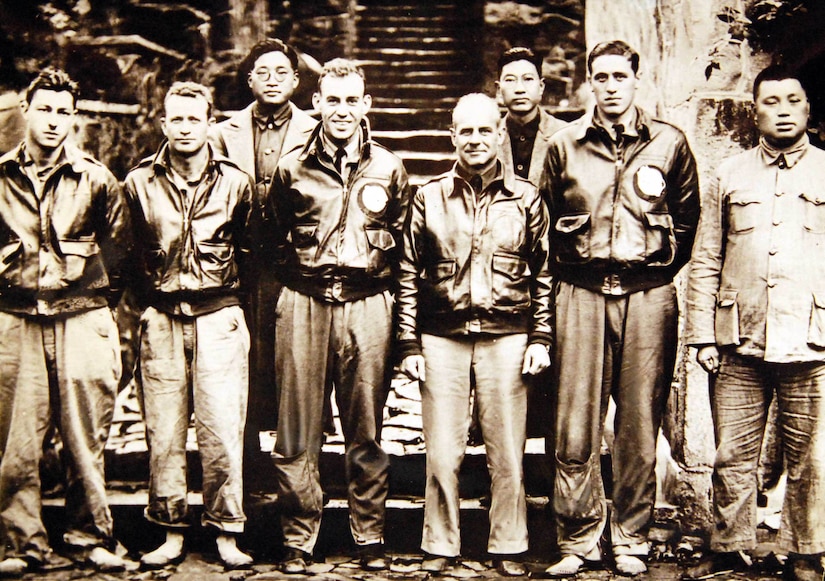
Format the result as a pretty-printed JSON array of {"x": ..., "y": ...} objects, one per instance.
[
  {"x": 492, "y": 174},
  {"x": 787, "y": 157},
  {"x": 352, "y": 149},
  {"x": 281, "y": 116},
  {"x": 590, "y": 125},
  {"x": 529, "y": 128}
]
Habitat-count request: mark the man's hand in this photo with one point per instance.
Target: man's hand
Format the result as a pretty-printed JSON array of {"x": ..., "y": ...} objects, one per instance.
[
  {"x": 413, "y": 367},
  {"x": 708, "y": 358},
  {"x": 536, "y": 359}
]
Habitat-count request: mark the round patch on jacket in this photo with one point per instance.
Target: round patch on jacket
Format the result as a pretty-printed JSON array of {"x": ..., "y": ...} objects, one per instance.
[
  {"x": 649, "y": 183},
  {"x": 373, "y": 198}
]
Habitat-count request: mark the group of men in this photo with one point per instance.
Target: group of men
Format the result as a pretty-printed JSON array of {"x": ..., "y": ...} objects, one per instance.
[{"x": 547, "y": 245}]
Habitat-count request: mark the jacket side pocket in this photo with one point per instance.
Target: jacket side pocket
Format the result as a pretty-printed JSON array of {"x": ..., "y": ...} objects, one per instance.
[
  {"x": 816, "y": 326},
  {"x": 726, "y": 325}
]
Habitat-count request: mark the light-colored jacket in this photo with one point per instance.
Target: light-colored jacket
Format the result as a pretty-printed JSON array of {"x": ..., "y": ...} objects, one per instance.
[
  {"x": 548, "y": 125},
  {"x": 757, "y": 276},
  {"x": 235, "y": 137}
]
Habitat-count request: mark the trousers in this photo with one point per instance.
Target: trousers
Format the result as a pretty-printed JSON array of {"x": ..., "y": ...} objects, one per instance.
[
  {"x": 622, "y": 347},
  {"x": 501, "y": 394},
  {"x": 201, "y": 364},
  {"x": 61, "y": 371},
  {"x": 740, "y": 397},
  {"x": 318, "y": 345}
]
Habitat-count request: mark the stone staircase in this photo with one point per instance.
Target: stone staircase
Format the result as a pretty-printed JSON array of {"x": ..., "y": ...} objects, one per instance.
[{"x": 419, "y": 58}]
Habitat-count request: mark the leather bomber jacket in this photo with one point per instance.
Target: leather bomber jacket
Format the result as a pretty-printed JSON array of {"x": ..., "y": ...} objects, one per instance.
[
  {"x": 627, "y": 213},
  {"x": 332, "y": 240},
  {"x": 189, "y": 263},
  {"x": 469, "y": 270},
  {"x": 65, "y": 252}
]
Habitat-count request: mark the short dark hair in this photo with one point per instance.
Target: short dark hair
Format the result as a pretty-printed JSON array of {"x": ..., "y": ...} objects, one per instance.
[
  {"x": 340, "y": 67},
  {"x": 264, "y": 46},
  {"x": 777, "y": 73},
  {"x": 51, "y": 79},
  {"x": 617, "y": 47},
  {"x": 190, "y": 89},
  {"x": 519, "y": 53}
]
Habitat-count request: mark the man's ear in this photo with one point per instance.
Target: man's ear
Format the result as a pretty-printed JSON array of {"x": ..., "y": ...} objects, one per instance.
[
  {"x": 452, "y": 135},
  {"x": 367, "y": 103},
  {"x": 296, "y": 80},
  {"x": 316, "y": 101}
]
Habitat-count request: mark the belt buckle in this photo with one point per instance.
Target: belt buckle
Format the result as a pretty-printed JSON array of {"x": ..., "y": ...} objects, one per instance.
[
  {"x": 337, "y": 289},
  {"x": 612, "y": 285}
]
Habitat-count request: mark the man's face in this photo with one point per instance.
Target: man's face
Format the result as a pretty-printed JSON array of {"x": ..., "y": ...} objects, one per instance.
[
  {"x": 272, "y": 79},
  {"x": 477, "y": 135},
  {"x": 614, "y": 85},
  {"x": 186, "y": 124},
  {"x": 520, "y": 87},
  {"x": 782, "y": 110},
  {"x": 342, "y": 105},
  {"x": 49, "y": 118}
]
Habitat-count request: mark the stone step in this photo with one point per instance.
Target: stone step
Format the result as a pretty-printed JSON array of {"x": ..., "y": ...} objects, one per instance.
[
  {"x": 384, "y": 100},
  {"x": 429, "y": 140},
  {"x": 424, "y": 168},
  {"x": 404, "y": 118},
  {"x": 407, "y": 93},
  {"x": 389, "y": 54},
  {"x": 417, "y": 63},
  {"x": 419, "y": 42},
  {"x": 384, "y": 8}
]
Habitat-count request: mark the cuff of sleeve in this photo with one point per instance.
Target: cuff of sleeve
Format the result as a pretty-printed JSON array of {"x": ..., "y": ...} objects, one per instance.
[
  {"x": 541, "y": 339},
  {"x": 407, "y": 348}
]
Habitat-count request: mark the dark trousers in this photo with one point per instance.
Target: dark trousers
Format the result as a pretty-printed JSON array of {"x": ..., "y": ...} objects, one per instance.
[
  {"x": 621, "y": 347},
  {"x": 320, "y": 344}
]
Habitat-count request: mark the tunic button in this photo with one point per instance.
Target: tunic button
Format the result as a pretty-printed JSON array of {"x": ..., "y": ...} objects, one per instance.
[
  {"x": 520, "y": 166},
  {"x": 522, "y": 138},
  {"x": 270, "y": 126},
  {"x": 771, "y": 284},
  {"x": 772, "y": 251},
  {"x": 267, "y": 151}
]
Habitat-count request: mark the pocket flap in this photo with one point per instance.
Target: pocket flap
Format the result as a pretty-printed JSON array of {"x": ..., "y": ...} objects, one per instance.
[
  {"x": 813, "y": 198},
  {"x": 659, "y": 220},
  {"x": 444, "y": 269},
  {"x": 304, "y": 234},
  {"x": 79, "y": 247},
  {"x": 572, "y": 222},
  {"x": 819, "y": 300},
  {"x": 727, "y": 298},
  {"x": 513, "y": 267},
  {"x": 10, "y": 251},
  {"x": 381, "y": 239}
]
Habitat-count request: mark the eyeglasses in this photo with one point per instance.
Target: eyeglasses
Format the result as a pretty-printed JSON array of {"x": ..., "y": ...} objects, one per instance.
[{"x": 265, "y": 75}]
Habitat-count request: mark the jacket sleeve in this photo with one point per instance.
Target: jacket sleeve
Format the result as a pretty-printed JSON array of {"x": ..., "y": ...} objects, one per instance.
[
  {"x": 683, "y": 202},
  {"x": 704, "y": 274},
  {"x": 244, "y": 219},
  {"x": 409, "y": 341},
  {"x": 275, "y": 225},
  {"x": 541, "y": 284},
  {"x": 115, "y": 235},
  {"x": 402, "y": 196}
]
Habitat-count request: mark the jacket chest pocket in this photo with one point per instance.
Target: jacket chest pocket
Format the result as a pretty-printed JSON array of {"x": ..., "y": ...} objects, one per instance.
[
  {"x": 511, "y": 281},
  {"x": 572, "y": 238},
  {"x": 76, "y": 255},
  {"x": 814, "y": 216},
  {"x": 379, "y": 243},
  {"x": 216, "y": 260},
  {"x": 743, "y": 213},
  {"x": 305, "y": 242}
]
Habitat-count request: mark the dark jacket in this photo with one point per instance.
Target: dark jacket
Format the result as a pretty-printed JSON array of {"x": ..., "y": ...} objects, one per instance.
[
  {"x": 64, "y": 253},
  {"x": 624, "y": 222},
  {"x": 189, "y": 262},
  {"x": 474, "y": 270},
  {"x": 332, "y": 240}
]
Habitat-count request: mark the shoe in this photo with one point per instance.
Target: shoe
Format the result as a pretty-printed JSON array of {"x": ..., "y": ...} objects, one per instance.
[
  {"x": 435, "y": 563},
  {"x": 372, "y": 557},
  {"x": 630, "y": 565},
  {"x": 804, "y": 568},
  {"x": 716, "y": 564},
  {"x": 294, "y": 562},
  {"x": 569, "y": 565},
  {"x": 106, "y": 561},
  {"x": 14, "y": 567},
  {"x": 510, "y": 568}
]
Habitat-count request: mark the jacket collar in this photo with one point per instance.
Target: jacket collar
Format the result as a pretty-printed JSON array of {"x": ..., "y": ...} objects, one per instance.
[
  {"x": 589, "y": 127},
  {"x": 70, "y": 156},
  {"x": 160, "y": 161},
  {"x": 507, "y": 179},
  {"x": 314, "y": 145}
]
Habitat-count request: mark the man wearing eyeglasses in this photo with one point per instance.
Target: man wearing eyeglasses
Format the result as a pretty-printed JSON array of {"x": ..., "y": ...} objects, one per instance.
[{"x": 255, "y": 139}]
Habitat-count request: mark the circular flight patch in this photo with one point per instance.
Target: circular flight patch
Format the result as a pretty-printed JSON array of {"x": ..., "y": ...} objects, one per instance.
[
  {"x": 649, "y": 183},
  {"x": 373, "y": 198}
]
